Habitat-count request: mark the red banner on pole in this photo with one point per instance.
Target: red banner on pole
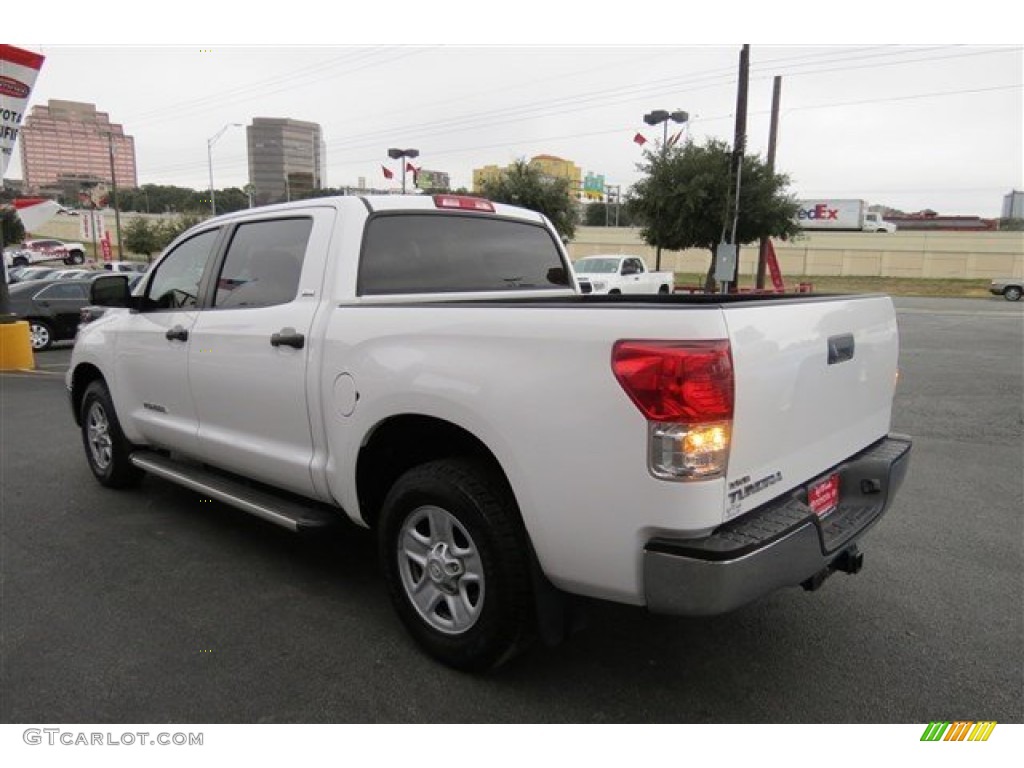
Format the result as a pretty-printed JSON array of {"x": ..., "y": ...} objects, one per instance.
[
  {"x": 105, "y": 244},
  {"x": 773, "y": 268}
]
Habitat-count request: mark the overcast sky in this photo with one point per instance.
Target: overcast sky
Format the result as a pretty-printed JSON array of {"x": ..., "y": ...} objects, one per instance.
[{"x": 936, "y": 125}]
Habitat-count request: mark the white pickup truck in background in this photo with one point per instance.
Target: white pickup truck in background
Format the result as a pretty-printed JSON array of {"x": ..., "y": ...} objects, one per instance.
[
  {"x": 426, "y": 367},
  {"x": 621, "y": 274}
]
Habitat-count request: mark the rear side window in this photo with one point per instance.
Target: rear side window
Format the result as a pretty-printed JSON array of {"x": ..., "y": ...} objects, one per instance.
[
  {"x": 263, "y": 264},
  {"x": 444, "y": 253}
]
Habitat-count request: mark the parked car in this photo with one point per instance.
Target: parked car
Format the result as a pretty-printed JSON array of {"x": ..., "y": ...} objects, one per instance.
[
  {"x": 125, "y": 266},
  {"x": 51, "y": 307},
  {"x": 426, "y": 366},
  {"x": 74, "y": 274},
  {"x": 1010, "y": 288},
  {"x": 26, "y": 274},
  {"x": 620, "y": 273},
  {"x": 33, "y": 251}
]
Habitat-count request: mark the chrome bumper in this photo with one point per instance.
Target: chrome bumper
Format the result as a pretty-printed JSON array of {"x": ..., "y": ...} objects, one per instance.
[{"x": 780, "y": 544}]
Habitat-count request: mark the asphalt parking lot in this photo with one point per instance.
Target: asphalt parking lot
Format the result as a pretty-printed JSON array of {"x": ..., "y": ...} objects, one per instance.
[{"x": 151, "y": 605}]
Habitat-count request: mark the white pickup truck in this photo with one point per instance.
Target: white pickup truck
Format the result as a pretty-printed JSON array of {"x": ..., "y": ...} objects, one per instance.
[
  {"x": 621, "y": 274},
  {"x": 426, "y": 367}
]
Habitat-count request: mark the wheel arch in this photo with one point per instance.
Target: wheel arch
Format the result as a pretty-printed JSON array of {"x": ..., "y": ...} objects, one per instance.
[
  {"x": 401, "y": 442},
  {"x": 84, "y": 375}
]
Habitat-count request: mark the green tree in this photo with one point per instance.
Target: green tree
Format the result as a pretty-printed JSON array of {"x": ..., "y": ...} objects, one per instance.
[
  {"x": 13, "y": 230},
  {"x": 685, "y": 199},
  {"x": 526, "y": 187},
  {"x": 140, "y": 236},
  {"x": 169, "y": 229}
]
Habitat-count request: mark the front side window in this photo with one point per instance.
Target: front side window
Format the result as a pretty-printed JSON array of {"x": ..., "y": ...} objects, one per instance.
[
  {"x": 263, "y": 263},
  {"x": 442, "y": 253},
  {"x": 175, "y": 282}
]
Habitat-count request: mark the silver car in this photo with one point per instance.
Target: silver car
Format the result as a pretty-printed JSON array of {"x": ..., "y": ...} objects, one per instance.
[{"x": 1010, "y": 288}]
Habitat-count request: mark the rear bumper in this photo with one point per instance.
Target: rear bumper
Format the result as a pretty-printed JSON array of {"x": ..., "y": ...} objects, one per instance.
[{"x": 782, "y": 543}]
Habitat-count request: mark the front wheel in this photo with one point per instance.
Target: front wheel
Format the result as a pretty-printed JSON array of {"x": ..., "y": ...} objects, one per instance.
[
  {"x": 1012, "y": 293},
  {"x": 106, "y": 448},
  {"x": 454, "y": 555},
  {"x": 20, "y": 261}
]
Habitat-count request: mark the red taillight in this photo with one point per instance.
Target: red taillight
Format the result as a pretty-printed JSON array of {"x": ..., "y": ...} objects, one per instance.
[
  {"x": 464, "y": 202},
  {"x": 681, "y": 382}
]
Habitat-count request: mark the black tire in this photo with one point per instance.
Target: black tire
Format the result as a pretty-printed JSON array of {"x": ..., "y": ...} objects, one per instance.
[
  {"x": 1012, "y": 293},
  {"x": 614, "y": 292},
  {"x": 40, "y": 334},
  {"x": 20, "y": 261},
  {"x": 75, "y": 257},
  {"x": 476, "y": 608},
  {"x": 663, "y": 290},
  {"x": 106, "y": 448}
]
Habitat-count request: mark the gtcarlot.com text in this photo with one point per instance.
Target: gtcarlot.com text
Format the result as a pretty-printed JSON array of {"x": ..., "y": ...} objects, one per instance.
[{"x": 58, "y": 737}]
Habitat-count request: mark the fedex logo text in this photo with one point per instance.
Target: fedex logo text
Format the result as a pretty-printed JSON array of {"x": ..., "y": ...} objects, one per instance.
[
  {"x": 959, "y": 731},
  {"x": 820, "y": 212}
]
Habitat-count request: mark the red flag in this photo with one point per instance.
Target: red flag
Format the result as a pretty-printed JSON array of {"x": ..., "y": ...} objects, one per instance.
[
  {"x": 387, "y": 172},
  {"x": 411, "y": 168},
  {"x": 639, "y": 139}
]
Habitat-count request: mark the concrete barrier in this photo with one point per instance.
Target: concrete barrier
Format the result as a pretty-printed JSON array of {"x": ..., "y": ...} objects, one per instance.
[{"x": 902, "y": 254}]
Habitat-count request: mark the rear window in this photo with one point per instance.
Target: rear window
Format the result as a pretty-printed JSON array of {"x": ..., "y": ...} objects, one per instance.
[{"x": 449, "y": 253}]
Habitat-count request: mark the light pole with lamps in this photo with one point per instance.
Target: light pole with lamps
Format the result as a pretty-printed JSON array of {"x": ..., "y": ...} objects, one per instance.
[
  {"x": 209, "y": 157},
  {"x": 663, "y": 117},
  {"x": 396, "y": 154}
]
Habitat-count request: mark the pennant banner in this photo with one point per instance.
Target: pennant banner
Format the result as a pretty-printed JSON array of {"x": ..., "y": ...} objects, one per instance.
[
  {"x": 18, "y": 70},
  {"x": 387, "y": 172},
  {"x": 640, "y": 139}
]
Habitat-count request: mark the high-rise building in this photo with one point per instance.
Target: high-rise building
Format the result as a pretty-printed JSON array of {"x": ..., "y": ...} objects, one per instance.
[
  {"x": 67, "y": 144},
  {"x": 286, "y": 159},
  {"x": 1013, "y": 205}
]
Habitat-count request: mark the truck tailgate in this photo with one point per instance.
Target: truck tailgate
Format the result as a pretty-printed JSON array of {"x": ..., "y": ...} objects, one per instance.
[{"x": 814, "y": 384}]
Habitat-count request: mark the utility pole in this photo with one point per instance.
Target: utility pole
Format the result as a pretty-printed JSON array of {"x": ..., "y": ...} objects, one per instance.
[
  {"x": 739, "y": 147},
  {"x": 113, "y": 184},
  {"x": 773, "y": 134}
]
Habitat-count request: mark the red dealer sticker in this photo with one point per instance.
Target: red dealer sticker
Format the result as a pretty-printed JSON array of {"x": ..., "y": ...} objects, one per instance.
[
  {"x": 14, "y": 88},
  {"x": 823, "y": 497}
]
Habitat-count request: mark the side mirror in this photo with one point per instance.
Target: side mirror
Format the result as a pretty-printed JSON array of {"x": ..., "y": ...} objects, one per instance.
[{"x": 110, "y": 291}]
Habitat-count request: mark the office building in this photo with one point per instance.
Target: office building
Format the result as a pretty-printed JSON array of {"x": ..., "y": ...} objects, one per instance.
[
  {"x": 66, "y": 144},
  {"x": 548, "y": 166},
  {"x": 1013, "y": 205},
  {"x": 286, "y": 159}
]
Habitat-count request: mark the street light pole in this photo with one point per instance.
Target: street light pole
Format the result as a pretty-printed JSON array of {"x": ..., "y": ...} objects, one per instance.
[
  {"x": 401, "y": 154},
  {"x": 209, "y": 159},
  {"x": 117, "y": 211},
  {"x": 663, "y": 116}
]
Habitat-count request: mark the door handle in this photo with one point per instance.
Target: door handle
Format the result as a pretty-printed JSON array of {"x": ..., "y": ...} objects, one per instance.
[
  {"x": 177, "y": 333},
  {"x": 288, "y": 337}
]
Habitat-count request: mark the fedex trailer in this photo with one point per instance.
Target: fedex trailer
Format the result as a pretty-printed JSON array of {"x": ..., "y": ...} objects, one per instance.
[{"x": 841, "y": 216}]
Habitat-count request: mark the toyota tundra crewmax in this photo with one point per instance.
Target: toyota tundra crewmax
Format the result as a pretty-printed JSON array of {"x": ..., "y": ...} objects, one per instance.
[{"x": 427, "y": 367}]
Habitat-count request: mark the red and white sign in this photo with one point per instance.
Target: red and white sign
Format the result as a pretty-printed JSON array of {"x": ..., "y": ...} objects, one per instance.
[
  {"x": 823, "y": 497},
  {"x": 105, "y": 245},
  {"x": 35, "y": 211},
  {"x": 18, "y": 70},
  {"x": 91, "y": 225}
]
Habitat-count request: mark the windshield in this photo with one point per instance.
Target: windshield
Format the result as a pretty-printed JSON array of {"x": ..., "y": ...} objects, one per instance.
[{"x": 596, "y": 266}]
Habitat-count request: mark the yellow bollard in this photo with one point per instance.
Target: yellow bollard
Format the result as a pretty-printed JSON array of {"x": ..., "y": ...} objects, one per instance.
[{"x": 16, "y": 347}]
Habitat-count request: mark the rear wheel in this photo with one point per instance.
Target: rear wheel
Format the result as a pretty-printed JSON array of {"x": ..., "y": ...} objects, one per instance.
[
  {"x": 1012, "y": 293},
  {"x": 663, "y": 290},
  {"x": 454, "y": 556},
  {"x": 20, "y": 261},
  {"x": 40, "y": 335},
  {"x": 106, "y": 448},
  {"x": 75, "y": 257},
  {"x": 614, "y": 292}
]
